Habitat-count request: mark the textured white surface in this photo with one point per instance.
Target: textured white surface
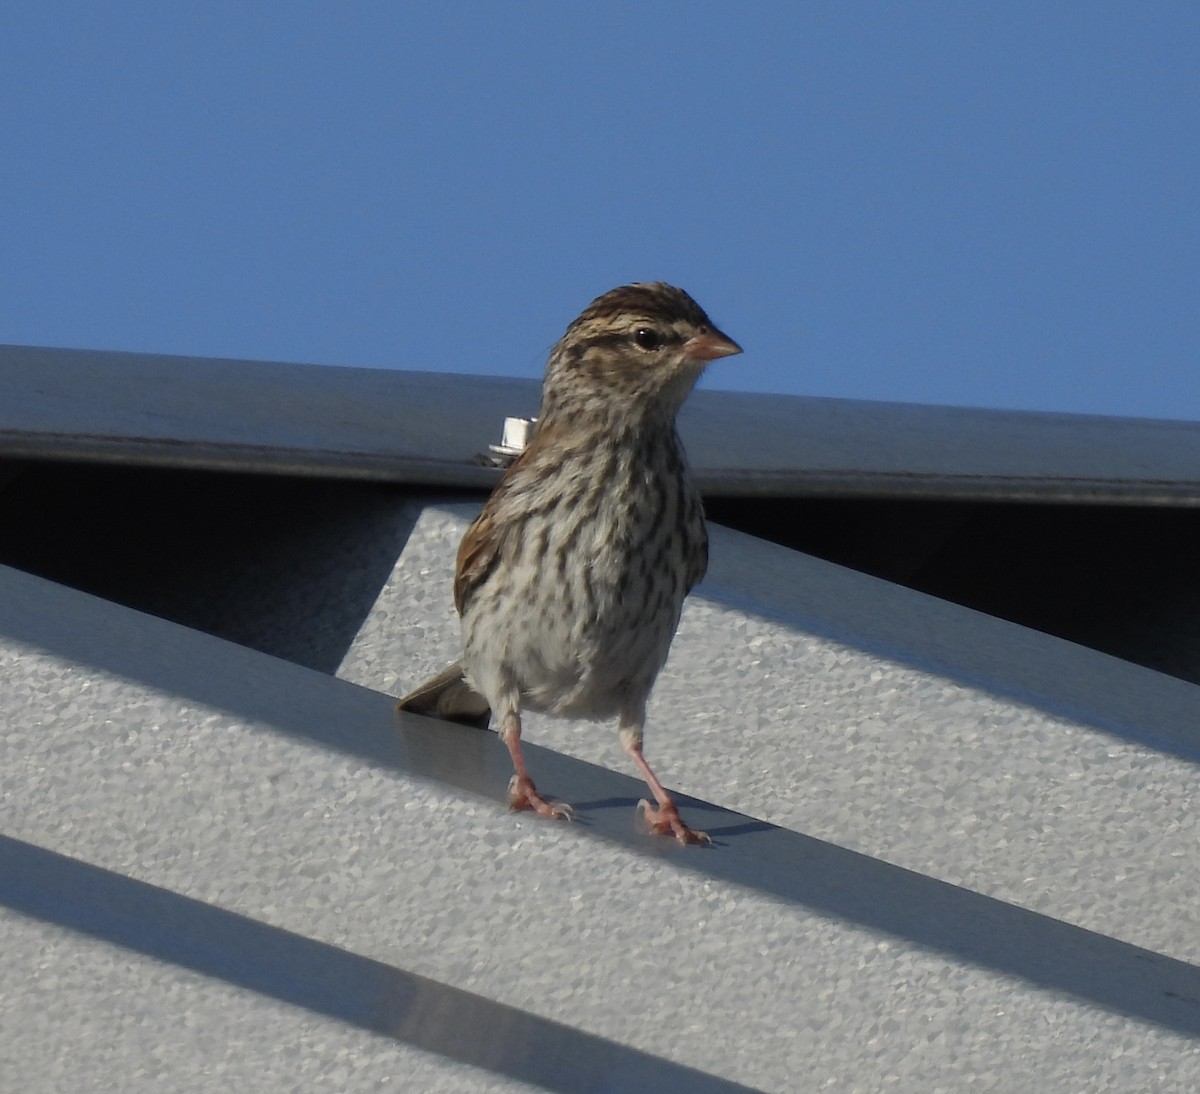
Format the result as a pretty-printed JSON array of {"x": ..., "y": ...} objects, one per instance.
[
  {"x": 284, "y": 799},
  {"x": 797, "y": 693},
  {"x": 79, "y": 1015},
  {"x": 872, "y": 739}
]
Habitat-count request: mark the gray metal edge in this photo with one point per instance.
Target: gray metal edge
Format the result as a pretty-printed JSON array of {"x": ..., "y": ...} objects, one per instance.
[
  {"x": 430, "y": 428},
  {"x": 833, "y": 881}
]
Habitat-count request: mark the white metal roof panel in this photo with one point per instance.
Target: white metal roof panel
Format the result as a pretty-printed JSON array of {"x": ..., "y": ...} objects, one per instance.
[{"x": 946, "y": 847}]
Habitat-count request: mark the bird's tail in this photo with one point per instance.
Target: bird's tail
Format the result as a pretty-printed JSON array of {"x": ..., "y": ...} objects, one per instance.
[{"x": 448, "y": 696}]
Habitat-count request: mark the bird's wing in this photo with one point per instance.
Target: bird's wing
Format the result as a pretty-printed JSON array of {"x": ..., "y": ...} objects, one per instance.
[
  {"x": 480, "y": 547},
  {"x": 699, "y": 560},
  {"x": 477, "y": 554}
]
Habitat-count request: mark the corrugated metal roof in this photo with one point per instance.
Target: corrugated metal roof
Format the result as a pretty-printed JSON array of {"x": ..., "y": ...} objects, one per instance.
[
  {"x": 425, "y": 427},
  {"x": 883, "y": 771},
  {"x": 932, "y": 828}
]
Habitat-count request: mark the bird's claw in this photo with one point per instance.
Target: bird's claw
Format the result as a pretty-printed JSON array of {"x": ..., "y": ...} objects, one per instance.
[
  {"x": 522, "y": 794},
  {"x": 665, "y": 820}
]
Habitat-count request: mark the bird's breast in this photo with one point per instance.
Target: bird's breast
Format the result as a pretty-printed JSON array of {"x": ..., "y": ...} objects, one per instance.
[{"x": 591, "y": 590}]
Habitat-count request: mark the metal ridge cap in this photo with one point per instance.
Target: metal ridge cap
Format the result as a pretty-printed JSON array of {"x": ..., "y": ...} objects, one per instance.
[
  {"x": 701, "y": 399},
  {"x": 412, "y": 468},
  {"x": 827, "y": 482},
  {"x": 401, "y": 467},
  {"x": 13, "y": 354}
]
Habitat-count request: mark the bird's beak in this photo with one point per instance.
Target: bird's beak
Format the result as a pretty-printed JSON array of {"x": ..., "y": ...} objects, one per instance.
[{"x": 710, "y": 345}]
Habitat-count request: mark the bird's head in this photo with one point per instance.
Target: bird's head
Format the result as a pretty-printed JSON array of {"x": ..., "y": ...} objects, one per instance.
[{"x": 640, "y": 346}]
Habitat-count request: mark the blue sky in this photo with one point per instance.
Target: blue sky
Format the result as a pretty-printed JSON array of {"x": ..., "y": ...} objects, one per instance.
[{"x": 988, "y": 205}]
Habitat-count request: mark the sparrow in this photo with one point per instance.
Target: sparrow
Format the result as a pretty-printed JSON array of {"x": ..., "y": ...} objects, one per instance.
[{"x": 571, "y": 581}]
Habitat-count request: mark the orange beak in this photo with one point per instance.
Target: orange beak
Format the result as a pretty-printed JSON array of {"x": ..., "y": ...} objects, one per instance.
[{"x": 710, "y": 345}]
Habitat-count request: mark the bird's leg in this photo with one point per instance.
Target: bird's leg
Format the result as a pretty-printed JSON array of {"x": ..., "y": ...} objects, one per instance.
[
  {"x": 664, "y": 817},
  {"x": 522, "y": 794}
]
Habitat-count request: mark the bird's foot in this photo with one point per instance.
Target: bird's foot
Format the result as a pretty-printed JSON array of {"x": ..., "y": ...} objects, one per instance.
[
  {"x": 665, "y": 820},
  {"x": 522, "y": 794}
]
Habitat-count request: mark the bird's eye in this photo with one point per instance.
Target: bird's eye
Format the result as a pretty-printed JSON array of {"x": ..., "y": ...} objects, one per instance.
[{"x": 647, "y": 338}]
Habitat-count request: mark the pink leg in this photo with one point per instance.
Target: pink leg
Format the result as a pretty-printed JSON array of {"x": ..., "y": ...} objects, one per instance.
[
  {"x": 522, "y": 794},
  {"x": 663, "y": 818}
]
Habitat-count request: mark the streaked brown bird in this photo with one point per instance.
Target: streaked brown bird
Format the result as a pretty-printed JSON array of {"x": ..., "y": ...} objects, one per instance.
[{"x": 571, "y": 581}]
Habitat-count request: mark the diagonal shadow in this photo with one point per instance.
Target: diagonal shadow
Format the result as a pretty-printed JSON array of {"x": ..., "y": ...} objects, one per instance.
[
  {"x": 936, "y": 636},
  {"x": 830, "y": 880},
  {"x": 327, "y": 980},
  {"x": 288, "y": 566}
]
